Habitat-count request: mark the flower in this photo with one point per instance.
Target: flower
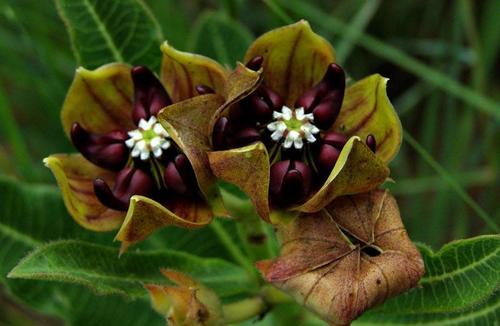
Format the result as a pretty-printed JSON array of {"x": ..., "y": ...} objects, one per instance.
[
  {"x": 133, "y": 172},
  {"x": 189, "y": 303},
  {"x": 310, "y": 152},
  {"x": 291, "y": 135}
]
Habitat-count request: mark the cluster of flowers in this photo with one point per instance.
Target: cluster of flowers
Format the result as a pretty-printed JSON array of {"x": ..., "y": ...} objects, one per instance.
[{"x": 282, "y": 126}]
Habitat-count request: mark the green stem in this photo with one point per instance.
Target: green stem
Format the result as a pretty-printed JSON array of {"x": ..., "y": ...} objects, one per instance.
[
  {"x": 452, "y": 182},
  {"x": 247, "y": 308},
  {"x": 254, "y": 233},
  {"x": 242, "y": 310},
  {"x": 233, "y": 249}
]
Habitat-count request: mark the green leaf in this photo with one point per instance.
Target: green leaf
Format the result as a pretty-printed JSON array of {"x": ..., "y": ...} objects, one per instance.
[
  {"x": 220, "y": 37},
  {"x": 99, "y": 268},
  {"x": 111, "y": 31},
  {"x": 460, "y": 288},
  {"x": 25, "y": 227}
]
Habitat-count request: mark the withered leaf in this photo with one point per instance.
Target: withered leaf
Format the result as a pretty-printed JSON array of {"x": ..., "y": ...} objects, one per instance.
[{"x": 346, "y": 258}]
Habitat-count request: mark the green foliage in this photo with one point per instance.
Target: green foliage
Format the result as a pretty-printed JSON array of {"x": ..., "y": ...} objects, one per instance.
[
  {"x": 461, "y": 287},
  {"x": 99, "y": 268},
  {"x": 32, "y": 215},
  {"x": 220, "y": 37},
  {"x": 111, "y": 31}
]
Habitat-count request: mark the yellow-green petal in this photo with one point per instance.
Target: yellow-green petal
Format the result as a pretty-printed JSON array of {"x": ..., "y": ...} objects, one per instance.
[
  {"x": 99, "y": 100},
  {"x": 181, "y": 72},
  {"x": 187, "y": 123},
  {"x": 357, "y": 170},
  {"x": 248, "y": 168},
  {"x": 295, "y": 59},
  {"x": 145, "y": 216},
  {"x": 75, "y": 176},
  {"x": 367, "y": 110}
]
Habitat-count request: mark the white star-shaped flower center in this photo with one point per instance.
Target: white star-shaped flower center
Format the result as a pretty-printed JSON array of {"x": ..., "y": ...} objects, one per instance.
[
  {"x": 149, "y": 138},
  {"x": 294, "y": 126}
]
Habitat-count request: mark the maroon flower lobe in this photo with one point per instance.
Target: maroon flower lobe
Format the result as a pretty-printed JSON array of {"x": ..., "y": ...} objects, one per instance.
[
  {"x": 221, "y": 134},
  {"x": 324, "y": 100},
  {"x": 129, "y": 182},
  {"x": 107, "y": 151},
  {"x": 149, "y": 94},
  {"x": 335, "y": 139},
  {"x": 245, "y": 136},
  {"x": 290, "y": 182},
  {"x": 179, "y": 176},
  {"x": 259, "y": 106},
  {"x": 327, "y": 157}
]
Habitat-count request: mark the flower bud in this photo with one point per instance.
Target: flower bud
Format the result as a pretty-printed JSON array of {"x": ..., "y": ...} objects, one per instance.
[
  {"x": 149, "y": 94},
  {"x": 290, "y": 182},
  {"x": 128, "y": 182},
  {"x": 221, "y": 134},
  {"x": 371, "y": 142},
  {"x": 179, "y": 175},
  {"x": 107, "y": 151},
  {"x": 324, "y": 100},
  {"x": 189, "y": 303}
]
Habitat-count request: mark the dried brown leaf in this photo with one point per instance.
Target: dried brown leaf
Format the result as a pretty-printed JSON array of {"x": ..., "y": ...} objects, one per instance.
[{"x": 347, "y": 258}]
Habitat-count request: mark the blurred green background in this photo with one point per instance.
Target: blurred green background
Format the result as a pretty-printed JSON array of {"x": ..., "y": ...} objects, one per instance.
[{"x": 441, "y": 58}]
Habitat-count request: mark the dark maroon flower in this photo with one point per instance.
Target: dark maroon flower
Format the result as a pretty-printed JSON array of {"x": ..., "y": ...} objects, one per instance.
[
  {"x": 302, "y": 150},
  {"x": 148, "y": 162}
]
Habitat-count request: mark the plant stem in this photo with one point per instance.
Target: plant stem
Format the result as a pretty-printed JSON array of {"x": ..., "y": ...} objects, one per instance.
[
  {"x": 252, "y": 230},
  {"x": 247, "y": 308},
  {"x": 242, "y": 310},
  {"x": 233, "y": 249}
]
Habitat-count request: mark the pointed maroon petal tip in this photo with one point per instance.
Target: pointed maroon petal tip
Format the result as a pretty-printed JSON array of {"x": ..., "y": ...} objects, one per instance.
[
  {"x": 204, "y": 89},
  {"x": 255, "y": 63},
  {"x": 371, "y": 142},
  {"x": 106, "y": 196},
  {"x": 139, "y": 70}
]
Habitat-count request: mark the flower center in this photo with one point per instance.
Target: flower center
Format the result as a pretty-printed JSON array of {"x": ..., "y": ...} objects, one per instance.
[
  {"x": 294, "y": 126},
  {"x": 149, "y": 138}
]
